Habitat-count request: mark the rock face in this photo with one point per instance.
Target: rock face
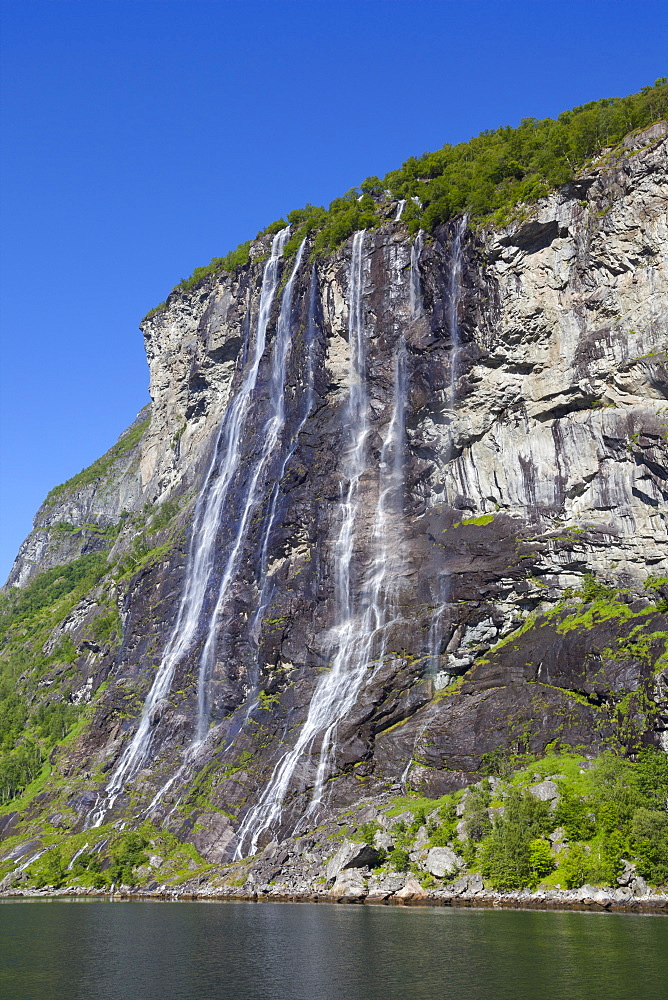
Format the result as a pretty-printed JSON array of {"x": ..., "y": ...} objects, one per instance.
[
  {"x": 440, "y": 437},
  {"x": 351, "y": 855},
  {"x": 442, "y": 861}
]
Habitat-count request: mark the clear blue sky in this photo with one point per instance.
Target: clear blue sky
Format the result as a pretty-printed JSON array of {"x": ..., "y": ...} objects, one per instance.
[{"x": 141, "y": 138}]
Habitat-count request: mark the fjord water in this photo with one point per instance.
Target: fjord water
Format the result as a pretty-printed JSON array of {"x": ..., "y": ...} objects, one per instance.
[{"x": 264, "y": 951}]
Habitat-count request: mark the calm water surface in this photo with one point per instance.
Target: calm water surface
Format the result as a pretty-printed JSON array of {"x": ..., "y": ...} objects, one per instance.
[{"x": 98, "y": 950}]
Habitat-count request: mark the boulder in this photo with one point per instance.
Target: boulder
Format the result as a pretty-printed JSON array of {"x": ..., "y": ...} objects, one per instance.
[
  {"x": 442, "y": 861},
  {"x": 476, "y": 883},
  {"x": 421, "y": 838},
  {"x": 383, "y": 841},
  {"x": 348, "y": 888},
  {"x": 639, "y": 887},
  {"x": 351, "y": 855},
  {"x": 461, "y": 885},
  {"x": 411, "y": 890},
  {"x": 546, "y": 791},
  {"x": 628, "y": 875},
  {"x": 468, "y": 885}
]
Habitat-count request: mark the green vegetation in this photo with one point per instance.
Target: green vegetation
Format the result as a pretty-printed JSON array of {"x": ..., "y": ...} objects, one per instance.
[
  {"x": 102, "y": 466},
  {"x": 36, "y": 710},
  {"x": 608, "y": 811},
  {"x": 107, "y": 628},
  {"x": 494, "y": 172},
  {"x": 232, "y": 261},
  {"x": 478, "y": 522},
  {"x": 18, "y": 768},
  {"x": 107, "y": 857},
  {"x": 512, "y": 853},
  {"x": 487, "y": 177},
  {"x": 76, "y": 577},
  {"x": 127, "y": 854}
]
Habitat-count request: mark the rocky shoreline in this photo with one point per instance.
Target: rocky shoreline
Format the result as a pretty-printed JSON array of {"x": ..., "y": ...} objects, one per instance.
[{"x": 588, "y": 898}]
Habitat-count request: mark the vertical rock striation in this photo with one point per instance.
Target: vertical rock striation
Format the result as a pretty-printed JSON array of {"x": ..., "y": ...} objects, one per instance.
[{"x": 380, "y": 475}]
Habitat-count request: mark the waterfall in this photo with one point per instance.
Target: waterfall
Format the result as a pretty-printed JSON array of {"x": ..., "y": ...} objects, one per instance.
[
  {"x": 270, "y": 437},
  {"x": 266, "y": 587},
  {"x": 454, "y": 299},
  {"x": 358, "y": 639},
  {"x": 400, "y": 209},
  {"x": 201, "y": 554},
  {"x": 415, "y": 286}
]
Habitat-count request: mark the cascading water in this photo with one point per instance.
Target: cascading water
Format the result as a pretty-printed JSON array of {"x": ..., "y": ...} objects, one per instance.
[
  {"x": 359, "y": 637},
  {"x": 201, "y": 555},
  {"x": 271, "y": 436},
  {"x": 454, "y": 300},
  {"x": 415, "y": 286},
  {"x": 270, "y": 519}
]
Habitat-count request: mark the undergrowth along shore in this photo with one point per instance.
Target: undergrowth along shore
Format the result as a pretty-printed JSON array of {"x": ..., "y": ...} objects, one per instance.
[{"x": 558, "y": 822}]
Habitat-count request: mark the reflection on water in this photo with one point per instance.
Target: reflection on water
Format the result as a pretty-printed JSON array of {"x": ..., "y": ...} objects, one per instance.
[{"x": 98, "y": 950}]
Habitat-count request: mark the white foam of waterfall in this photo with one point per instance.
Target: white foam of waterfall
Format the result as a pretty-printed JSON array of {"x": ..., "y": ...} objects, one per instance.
[
  {"x": 330, "y": 691},
  {"x": 201, "y": 555},
  {"x": 415, "y": 285},
  {"x": 358, "y": 640},
  {"x": 269, "y": 440},
  {"x": 270, "y": 436},
  {"x": 266, "y": 585},
  {"x": 77, "y": 854},
  {"x": 403, "y": 781},
  {"x": 400, "y": 209}
]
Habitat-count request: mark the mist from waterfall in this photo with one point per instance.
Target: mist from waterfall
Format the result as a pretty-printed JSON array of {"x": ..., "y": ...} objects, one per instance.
[
  {"x": 359, "y": 636},
  {"x": 201, "y": 553}
]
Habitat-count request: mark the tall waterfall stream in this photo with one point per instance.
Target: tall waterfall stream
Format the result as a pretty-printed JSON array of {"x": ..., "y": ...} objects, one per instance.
[
  {"x": 365, "y": 609},
  {"x": 358, "y": 639},
  {"x": 201, "y": 556}
]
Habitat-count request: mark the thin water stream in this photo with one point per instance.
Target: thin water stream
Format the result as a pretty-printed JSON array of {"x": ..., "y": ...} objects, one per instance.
[
  {"x": 201, "y": 555},
  {"x": 366, "y": 609}
]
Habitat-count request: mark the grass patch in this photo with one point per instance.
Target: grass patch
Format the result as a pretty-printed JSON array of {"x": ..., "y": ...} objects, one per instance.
[{"x": 102, "y": 466}]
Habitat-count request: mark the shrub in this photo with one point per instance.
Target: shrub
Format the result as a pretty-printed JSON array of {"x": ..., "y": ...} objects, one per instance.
[
  {"x": 52, "y": 870},
  {"x": 48, "y": 587},
  {"x": 54, "y": 721},
  {"x": 506, "y": 854},
  {"x": 574, "y": 813},
  {"x": 649, "y": 833},
  {"x": 476, "y": 819},
  {"x": 541, "y": 862},
  {"x": 126, "y": 855},
  {"x": 399, "y": 859},
  {"x": 18, "y": 769}
]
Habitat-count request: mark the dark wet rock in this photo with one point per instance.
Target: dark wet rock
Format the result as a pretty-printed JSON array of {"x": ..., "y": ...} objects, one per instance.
[{"x": 551, "y": 464}]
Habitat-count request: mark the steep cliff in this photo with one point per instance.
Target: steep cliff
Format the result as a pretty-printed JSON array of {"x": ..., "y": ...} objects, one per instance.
[{"x": 393, "y": 511}]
